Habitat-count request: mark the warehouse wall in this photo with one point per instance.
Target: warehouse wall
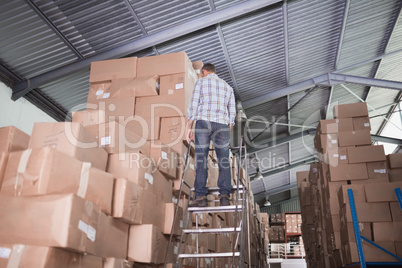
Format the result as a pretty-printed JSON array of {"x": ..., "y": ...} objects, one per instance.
[{"x": 21, "y": 113}]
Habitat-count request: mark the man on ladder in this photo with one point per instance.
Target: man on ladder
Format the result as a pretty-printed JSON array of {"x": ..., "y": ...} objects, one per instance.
[{"x": 213, "y": 109}]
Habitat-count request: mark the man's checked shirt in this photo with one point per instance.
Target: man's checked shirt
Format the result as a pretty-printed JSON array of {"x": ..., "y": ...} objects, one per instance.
[{"x": 213, "y": 100}]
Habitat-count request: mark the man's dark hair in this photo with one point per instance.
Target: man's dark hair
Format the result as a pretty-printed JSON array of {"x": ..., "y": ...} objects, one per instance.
[{"x": 209, "y": 67}]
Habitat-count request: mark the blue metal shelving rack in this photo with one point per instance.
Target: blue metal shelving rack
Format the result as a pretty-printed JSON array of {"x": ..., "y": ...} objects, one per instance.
[{"x": 359, "y": 237}]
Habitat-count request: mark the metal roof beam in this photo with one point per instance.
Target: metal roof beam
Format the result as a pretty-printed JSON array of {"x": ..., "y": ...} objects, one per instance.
[
  {"x": 329, "y": 79},
  {"x": 275, "y": 142},
  {"x": 277, "y": 189},
  {"x": 54, "y": 28},
  {"x": 192, "y": 25},
  {"x": 386, "y": 139}
]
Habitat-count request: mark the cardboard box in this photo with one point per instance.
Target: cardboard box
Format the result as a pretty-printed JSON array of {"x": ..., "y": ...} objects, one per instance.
[
  {"x": 136, "y": 167},
  {"x": 394, "y": 160},
  {"x": 65, "y": 221},
  {"x": 348, "y": 172},
  {"x": 368, "y": 212},
  {"x": 197, "y": 66},
  {"x": 135, "y": 205},
  {"x": 337, "y": 156},
  {"x": 3, "y": 165},
  {"x": 135, "y": 87},
  {"x": 398, "y": 247},
  {"x": 89, "y": 117},
  {"x": 382, "y": 192},
  {"x": 147, "y": 244},
  {"x": 387, "y": 231},
  {"x": 113, "y": 69},
  {"x": 335, "y": 125},
  {"x": 165, "y": 159},
  {"x": 42, "y": 257},
  {"x": 361, "y": 123},
  {"x": 121, "y": 110},
  {"x": 327, "y": 141},
  {"x": 181, "y": 85},
  {"x": 395, "y": 174},
  {"x": 12, "y": 139},
  {"x": 166, "y": 64},
  {"x": 377, "y": 170},
  {"x": 363, "y": 154},
  {"x": 358, "y": 194},
  {"x": 117, "y": 263},
  {"x": 333, "y": 188},
  {"x": 371, "y": 253},
  {"x": 354, "y": 138},
  {"x": 348, "y": 232},
  {"x": 162, "y": 106},
  {"x": 46, "y": 171},
  {"x": 350, "y": 110},
  {"x": 115, "y": 138},
  {"x": 301, "y": 176},
  {"x": 170, "y": 225},
  {"x": 395, "y": 211},
  {"x": 173, "y": 132},
  {"x": 71, "y": 139}
]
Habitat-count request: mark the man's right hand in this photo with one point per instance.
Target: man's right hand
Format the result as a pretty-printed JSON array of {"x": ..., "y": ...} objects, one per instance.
[{"x": 190, "y": 135}]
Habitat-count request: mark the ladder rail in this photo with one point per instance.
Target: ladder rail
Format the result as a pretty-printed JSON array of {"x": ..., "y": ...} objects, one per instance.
[{"x": 238, "y": 231}]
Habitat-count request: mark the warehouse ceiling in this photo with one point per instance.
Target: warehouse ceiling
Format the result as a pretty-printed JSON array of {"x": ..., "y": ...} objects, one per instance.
[{"x": 289, "y": 61}]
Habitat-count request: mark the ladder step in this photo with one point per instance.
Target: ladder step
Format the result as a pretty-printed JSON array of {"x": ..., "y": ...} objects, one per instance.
[
  {"x": 212, "y": 230},
  {"x": 215, "y": 209},
  {"x": 216, "y": 189},
  {"x": 209, "y": 255}
]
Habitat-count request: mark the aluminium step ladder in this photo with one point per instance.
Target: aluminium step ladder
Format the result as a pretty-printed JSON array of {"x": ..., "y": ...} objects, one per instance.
[
  {"x": 237, "y": 231},
  {"x": 239, "y": 207}
]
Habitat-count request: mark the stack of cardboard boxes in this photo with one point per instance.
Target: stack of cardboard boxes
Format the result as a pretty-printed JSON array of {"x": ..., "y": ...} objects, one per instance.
[
  {"x": 348, "y": 161},
  {"x": 90, "y": 192}
]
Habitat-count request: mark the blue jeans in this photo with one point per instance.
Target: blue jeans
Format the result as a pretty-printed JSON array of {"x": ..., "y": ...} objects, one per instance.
[{"x": 205, "y": 131}]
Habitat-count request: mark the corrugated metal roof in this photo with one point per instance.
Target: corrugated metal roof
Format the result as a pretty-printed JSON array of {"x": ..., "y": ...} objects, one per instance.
[
  {"x": 91, "y": 26},
  {"x": 273, "y": 157},
  {"x": 313, "y": 33},
  {"x": 219, "y": 4},
  {"x": 29, "y": 54},
  {"x": 268, "y": 113},
  {"x": 365, "y": 33},
  {"x": 203, "y": 45},
  {"x": 302, "y": 148},
  {"x": 256, "y": 51},
  {"x": 158, "y": 15},
  {"x": 309, "y": 108}
]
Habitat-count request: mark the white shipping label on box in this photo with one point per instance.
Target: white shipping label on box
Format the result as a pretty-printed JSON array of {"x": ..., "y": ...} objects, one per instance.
[
  {"x": 99, "y": 92},
  {"x": 149, "y": 178},
  {"x": 179, "y": 86},
  {"x": 91, "y": 233},
  {"x": 382, "y": 171},
  {"x": 105, "y": 140},
  {"x": 366, "y": 124},
  {"x": 334, "y": 141},
  {"x": 164, "y": 155},
  {"x": 170, "y": 91},
  {"x": 106, "y": 95},
  {"x": 5, "y": 253},
  {"x": 343, "y": 157},
  {"x": 335, "y": 155},
  {"x": 192, "y": 166}
]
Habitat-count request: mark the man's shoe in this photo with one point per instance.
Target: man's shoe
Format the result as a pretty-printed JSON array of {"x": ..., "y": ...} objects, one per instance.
[
  {"x": 199, "y": 202},
  {"x": 224, "y": 200}
]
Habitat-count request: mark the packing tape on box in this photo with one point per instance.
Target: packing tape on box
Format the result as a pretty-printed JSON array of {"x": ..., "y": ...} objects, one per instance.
[
  {"x": 82, "y": 188},
  {"x": 21, "y": 172},
  {"x": 15, "y": 257}
]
